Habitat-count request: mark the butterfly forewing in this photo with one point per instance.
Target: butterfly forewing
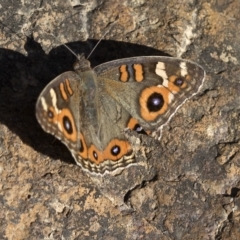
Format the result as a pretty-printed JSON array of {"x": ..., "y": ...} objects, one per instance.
[
  {"x": 57, "y": 109},
  {"x": 151, "y": 89}
]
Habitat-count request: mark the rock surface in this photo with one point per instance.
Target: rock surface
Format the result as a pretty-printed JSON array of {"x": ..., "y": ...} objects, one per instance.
[{"x": 191, "y": 190}]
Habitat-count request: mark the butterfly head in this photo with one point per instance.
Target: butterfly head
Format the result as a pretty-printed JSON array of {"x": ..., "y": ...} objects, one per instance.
[{"x": 82, "y": 64}]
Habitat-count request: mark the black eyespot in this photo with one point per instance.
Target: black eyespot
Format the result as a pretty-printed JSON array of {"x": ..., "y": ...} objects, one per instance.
[
  {"x": 67, "y": 125},
  {"x": 115, "y": 150},
  {"x": 139, "y": 129},
  {"x": 155, "y": 102},
  {"x": 95, "y": 155},
  {"x": 50, "y": 113},
  {"x": 179, "y": 81},
  {"x": 81, "y": 149}
]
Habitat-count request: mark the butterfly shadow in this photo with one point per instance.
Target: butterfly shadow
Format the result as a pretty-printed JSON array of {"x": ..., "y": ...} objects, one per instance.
[{"x": 24, "y": 77}]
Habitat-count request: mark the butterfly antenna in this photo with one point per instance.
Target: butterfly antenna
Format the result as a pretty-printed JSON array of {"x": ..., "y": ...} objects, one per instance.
[
  {"x": 77, "y": 56},
  {"x": 109, "y": 28}
]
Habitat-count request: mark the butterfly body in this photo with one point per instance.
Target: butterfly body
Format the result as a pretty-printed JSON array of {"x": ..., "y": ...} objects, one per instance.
[{"x": 90, "y": 109}]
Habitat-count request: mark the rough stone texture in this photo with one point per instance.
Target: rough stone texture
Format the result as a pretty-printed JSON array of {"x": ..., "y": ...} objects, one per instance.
[{"x": 191, "y": 190}]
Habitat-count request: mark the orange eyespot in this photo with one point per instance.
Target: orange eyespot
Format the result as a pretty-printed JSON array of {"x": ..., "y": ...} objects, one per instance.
[{"x": 154, "y": 102}]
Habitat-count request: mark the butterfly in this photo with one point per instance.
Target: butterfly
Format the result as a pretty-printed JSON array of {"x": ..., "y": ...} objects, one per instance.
[{"x": 89, "y": 109}]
